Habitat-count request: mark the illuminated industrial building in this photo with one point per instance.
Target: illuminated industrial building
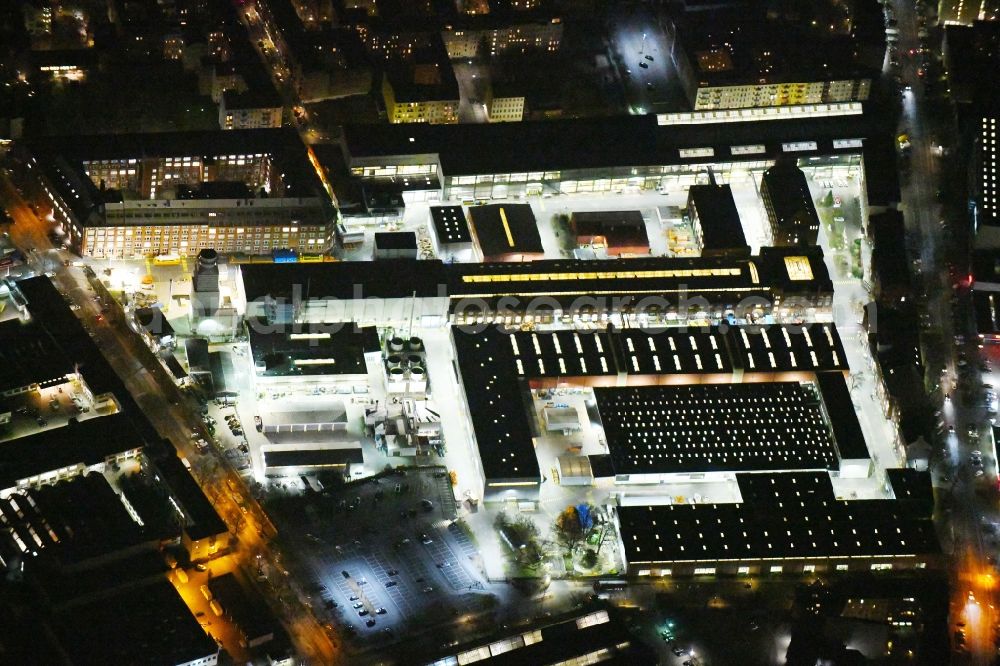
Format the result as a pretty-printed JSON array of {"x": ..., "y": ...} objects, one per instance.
[
  {"x": 250, "y": 192},
  {"x": 611, "y": 155}
]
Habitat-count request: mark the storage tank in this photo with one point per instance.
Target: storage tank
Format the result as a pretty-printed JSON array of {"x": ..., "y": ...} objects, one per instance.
[
  {"x": 414, "y": 359},
  {"x": 397, "y": 374},
  {"x": 394, "y": 361},
  {"x": 416, "y": 344},
  {"x": 396, "y": 344},
  {"x": 417, "y": 372}
]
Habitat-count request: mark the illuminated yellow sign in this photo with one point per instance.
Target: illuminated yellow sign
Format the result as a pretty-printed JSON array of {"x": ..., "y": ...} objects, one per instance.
[{"x": 798, "y": 268}]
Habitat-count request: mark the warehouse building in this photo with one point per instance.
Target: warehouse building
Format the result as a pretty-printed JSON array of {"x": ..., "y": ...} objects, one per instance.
[
  {"x": 656, "y": 431},
  {"x": 617, "y": 233},
  {"x": 395, "y": 245},
  {"x": 312, "y": 353},
  {"x": 785, "y": 523},
  {"x": 630, "y": 154},
  {"x": 450, "y": 232},
  {"x": 786, "y": 284},
  {"x": 149, "y": 623},
  {"x": 506, "y": 232},
  {"x": 497, "y": 369}
]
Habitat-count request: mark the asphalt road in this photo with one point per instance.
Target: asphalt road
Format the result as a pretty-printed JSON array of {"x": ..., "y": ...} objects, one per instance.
[{"x": 962, "y": 533}]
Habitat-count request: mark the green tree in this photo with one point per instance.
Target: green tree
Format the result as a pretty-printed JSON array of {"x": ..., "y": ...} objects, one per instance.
[{"x": 568, "y": 530}]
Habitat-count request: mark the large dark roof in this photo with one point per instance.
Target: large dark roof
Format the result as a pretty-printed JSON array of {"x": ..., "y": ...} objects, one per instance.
[
  {"x": 784, "y": 348},
  {"x": 618, "y": 227},
  {"x": 722, "y": 280},
  {"x": 275, "y": 349},
  {"x": 74, "y": 521},
  {"x": 593, "y": 143},
  {"x": 889, "y": 262},
  {"x": 52, "y": 315},
  {"x": 913, "y": 489},
  {"x": 718, "y": 218},
  {"x": 496, "y": 405},
  {"x": 28, "y": 355},
  {"x": 843, "y": 417},
  {"x": 167, "y": 144},
  {"x": 388, "y": 278},
  {"x": 672, "y": 350},
  {"x": 312, "y": 457},
  {"x": 450, "y": 225},
  {"x": 495, "y": 363},
  {"x": 149, "y": 620},
  {"x": 88, "y": 442},
  {"x": 395, "y": 240},
  {"x": 204, "y": 520},
  {"x": 714, "y": 427},
  {"x": 245, "y": 606},
  {"x": 506, "y": 229},
  {"x": 789, "y": 195},
  {"x": 558, "y": 353},
  {"x": 781, "y": 515}
]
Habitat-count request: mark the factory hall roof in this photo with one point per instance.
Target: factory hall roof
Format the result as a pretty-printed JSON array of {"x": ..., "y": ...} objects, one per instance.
[
  {"x": 506, "y": 229},
  {"x": 151, "y": 620},
  {"x": 781, "y": 515},
  {"x": 561, "y": 353},
  {"x": 727, "y": 280},
  {"x": 28, "y": 355},
  {"x": 843, "y": 416},
  {"x": 714, "y": 427},
  {"x": 497, "y": 364},
  {"x": 603, "y": 143},
  {"x": 671, "y": 351},
  {"x": 496, "y": 404},
  {"x": 312, "y": 458},
  {"x": 89, "y": 442},
  {"x": 450, "y": 225},
  {"x": 310, "y": 349},
  {"x": 812, "y": 347}
]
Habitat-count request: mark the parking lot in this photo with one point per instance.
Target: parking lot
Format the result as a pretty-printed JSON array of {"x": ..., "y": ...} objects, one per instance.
[{"x": 394, "y": 564}]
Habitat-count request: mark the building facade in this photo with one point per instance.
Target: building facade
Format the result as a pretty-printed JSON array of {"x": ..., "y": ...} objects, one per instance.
[
  {"x": 416, "y": 106},
  {"x": 185, "y": 227},
  {"x": 754, "y": 95},
  {"x": 503, "y": 40},
  {"x": 506, "y": 109},
  {"x": 244, "y": 111}
]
